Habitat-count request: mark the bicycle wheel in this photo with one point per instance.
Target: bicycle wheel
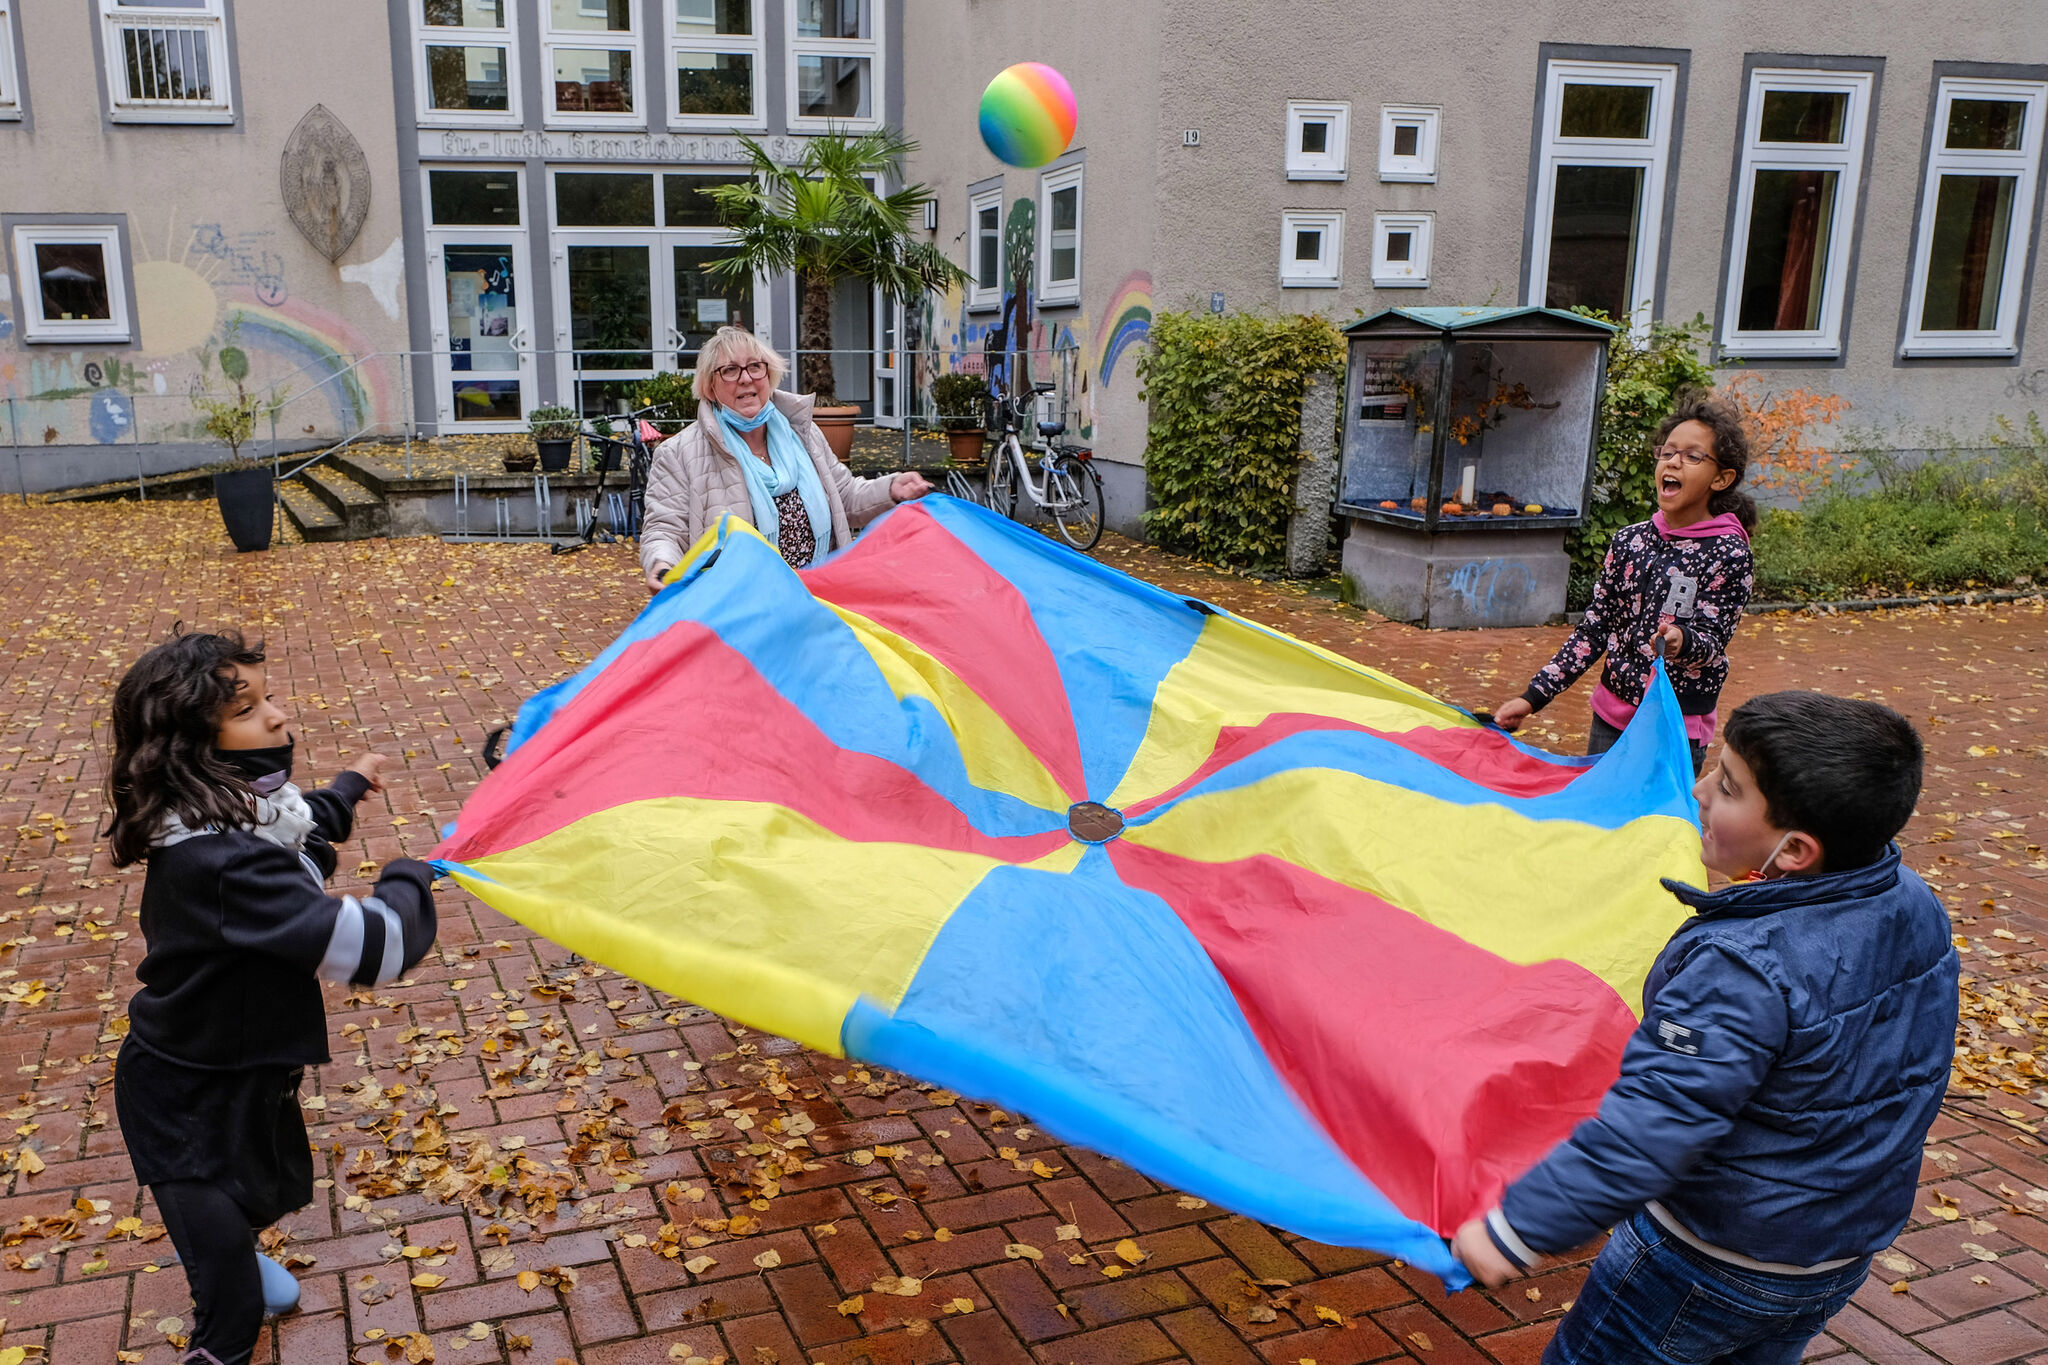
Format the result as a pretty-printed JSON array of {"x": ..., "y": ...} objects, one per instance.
[
  {"x": 1002, "y": 481},
  {"x": 1078, "y": 512}
]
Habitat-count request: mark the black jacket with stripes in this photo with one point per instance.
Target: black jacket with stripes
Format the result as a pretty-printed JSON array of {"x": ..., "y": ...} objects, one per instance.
[{"x": 241, "y": 931}]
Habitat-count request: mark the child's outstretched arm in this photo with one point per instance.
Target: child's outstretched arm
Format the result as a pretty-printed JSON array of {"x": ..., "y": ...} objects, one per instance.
[
  {"x": 334, "y": 805},
  {"x": 1586, "y": 643},
  {"x": 1703, "y": 1049},
  {"x": 270, "y": 905}
]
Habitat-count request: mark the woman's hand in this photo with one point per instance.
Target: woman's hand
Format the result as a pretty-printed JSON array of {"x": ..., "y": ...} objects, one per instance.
[
  {"x": 1509, "y": 715},
  {"x": 371, "y": 766},
  {"x": 655, "y": 576},
  {"x": 908, "y": 486}
]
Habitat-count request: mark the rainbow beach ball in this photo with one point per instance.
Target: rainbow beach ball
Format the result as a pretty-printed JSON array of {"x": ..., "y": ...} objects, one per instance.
[{"x": 1027, "y": 114}]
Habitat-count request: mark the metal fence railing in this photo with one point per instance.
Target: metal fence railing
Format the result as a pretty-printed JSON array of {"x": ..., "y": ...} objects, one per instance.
[{"x": 334, "y": 403}]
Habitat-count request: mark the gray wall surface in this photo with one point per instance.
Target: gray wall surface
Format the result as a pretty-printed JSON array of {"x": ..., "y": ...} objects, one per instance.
[
  {"x": 212, "y": 256},
  {"x": 1198, "y": 220}
]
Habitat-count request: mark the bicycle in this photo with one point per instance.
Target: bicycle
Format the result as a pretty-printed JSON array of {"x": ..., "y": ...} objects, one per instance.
[
  {"x": 626, "y": 510},
  {"x": 1068, "y": 489}
]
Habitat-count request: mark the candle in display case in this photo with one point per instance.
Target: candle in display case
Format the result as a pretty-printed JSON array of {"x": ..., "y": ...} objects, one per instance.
[{"x": 1465, "y": 487}]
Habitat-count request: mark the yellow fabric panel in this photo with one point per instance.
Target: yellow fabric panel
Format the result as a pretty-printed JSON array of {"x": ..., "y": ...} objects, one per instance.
[
  {"x": 1237, "y": 675},
  {"x": 745, "y": 908},
  {"x": 996, "y": 760},
  {"x": 1527, "y": 890}
]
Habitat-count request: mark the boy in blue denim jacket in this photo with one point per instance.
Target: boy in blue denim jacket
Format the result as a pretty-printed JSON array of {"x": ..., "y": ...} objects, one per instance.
[{"x": 1763, "y": 1139}]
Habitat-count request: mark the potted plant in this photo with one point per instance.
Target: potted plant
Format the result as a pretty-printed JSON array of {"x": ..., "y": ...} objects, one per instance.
[
  {"x": 822, "y": 218},
  {"x": 554, "y": 436},
  {"x": 960, "y": 400},
  {"x": 246, "y": 493}
]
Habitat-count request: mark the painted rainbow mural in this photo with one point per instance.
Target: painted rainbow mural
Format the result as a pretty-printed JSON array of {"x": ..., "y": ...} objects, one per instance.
[{"x": 1126, "y": 321}]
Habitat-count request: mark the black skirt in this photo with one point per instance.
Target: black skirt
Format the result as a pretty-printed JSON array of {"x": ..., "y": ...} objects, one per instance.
[{"x": 240, "y": 1130}]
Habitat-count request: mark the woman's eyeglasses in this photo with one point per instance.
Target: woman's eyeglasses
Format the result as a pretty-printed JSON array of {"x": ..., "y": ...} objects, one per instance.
[
  {"x": 753, "y": 369},
  {"x": 1692, "y": 458}
]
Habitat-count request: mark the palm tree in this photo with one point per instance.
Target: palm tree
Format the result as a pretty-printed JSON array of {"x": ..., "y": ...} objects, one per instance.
[{"x": 824, "y": 219}]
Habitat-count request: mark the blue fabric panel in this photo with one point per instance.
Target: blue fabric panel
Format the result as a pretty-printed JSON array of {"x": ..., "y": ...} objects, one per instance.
[{"x": 1132, "y": 1045}]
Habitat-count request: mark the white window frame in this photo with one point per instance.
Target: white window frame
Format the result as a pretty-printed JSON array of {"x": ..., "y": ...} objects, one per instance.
[
  {"x": 425, "y": 35},
  {"x": 979, "y": 296},
  {"x": 210, "y": 21},
  {"x": 869, "y": 47},
  {"x": 1652, "y": 154},
  {"x": 1327, "y": 165},
  {"x": 10, "y": 70},
  {"x": 2025, "y": 163},
  {"x": 1328, "y": 273},
  {"x": 552, "y": 38},
  {"x": 1412, "y": 273},
  {"x": 754, "y": 46},
  {"x": 1053, "y": 292},
  {"x": 37, "y": 329},
  {"x": 1846, "y": 159},
  {"x": 1427, "y": 120}
]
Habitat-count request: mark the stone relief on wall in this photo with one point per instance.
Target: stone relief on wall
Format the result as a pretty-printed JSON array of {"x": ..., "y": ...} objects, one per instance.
[{"x": 326, "y": 182}]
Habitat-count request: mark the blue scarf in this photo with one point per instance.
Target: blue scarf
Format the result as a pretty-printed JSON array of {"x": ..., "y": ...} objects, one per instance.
[{"x": 790, "y": 466}]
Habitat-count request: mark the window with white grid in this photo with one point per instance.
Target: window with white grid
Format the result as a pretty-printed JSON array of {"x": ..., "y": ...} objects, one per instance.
[
  {"x": 73, "y": 282},
  {"x": 1795, "y": 212},
  {"x": 466, "y": 62},
  {"x": 10, "y": 73},
  {"x": 835, "y": 64},
  {"x": 985, "y": 252},
  {"x": 1311, "y": 249},
  {"x": 167, "y": 60},
  {"x": 1059, "y": 252},
  {"x": 714, "y": 64},
  {"x": 1976, "y": 217},
  {"x": 590, "y": 63}
]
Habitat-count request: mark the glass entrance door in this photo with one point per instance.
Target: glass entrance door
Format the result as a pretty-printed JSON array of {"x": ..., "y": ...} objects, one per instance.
[
  {"x": 888, "y": 344},
  {"x": 704, "y": 302},
  {"x": 483, "y": 358},
  {"x": 607, "y": 291}
]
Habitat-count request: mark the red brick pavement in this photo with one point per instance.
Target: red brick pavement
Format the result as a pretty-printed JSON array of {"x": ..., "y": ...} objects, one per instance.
[{"x": 415, "y": 648}]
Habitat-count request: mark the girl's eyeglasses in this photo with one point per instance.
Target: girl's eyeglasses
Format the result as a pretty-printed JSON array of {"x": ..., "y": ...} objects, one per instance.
[
  {"x": 753, "y": 369},
  {"x": 1692, "y": 458}
]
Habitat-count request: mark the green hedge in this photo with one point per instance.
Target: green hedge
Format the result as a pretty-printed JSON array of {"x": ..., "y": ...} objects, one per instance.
[
  {"x": 1946, "y": 526},
  {"x": 1225, "y": 438},
  {"x": 1642, "y": 381}
]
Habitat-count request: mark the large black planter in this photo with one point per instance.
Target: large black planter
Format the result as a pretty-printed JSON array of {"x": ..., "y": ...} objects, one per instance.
[
  {"x": 554, "y": 455},
  {"x": 246, "y": 505}
]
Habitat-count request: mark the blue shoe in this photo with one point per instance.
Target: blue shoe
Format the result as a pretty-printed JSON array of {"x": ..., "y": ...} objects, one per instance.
[{"x": 280, "y": 1287}]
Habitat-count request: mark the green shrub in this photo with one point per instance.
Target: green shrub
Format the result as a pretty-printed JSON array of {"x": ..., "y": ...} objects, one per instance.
[
  {"x": 959, "y": 400},
  {"x": 1947, "y": 525},
  {"x": 1642, "y": 381},
  {"x": 672, "y": 389},
  {"x": 1225, "y": 438}
]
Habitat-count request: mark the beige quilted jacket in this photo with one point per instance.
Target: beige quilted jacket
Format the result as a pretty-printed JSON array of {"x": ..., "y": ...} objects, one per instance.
[{"x": 694, "y": 480}]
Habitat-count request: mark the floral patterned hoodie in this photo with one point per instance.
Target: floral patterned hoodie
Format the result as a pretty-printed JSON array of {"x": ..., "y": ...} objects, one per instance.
[{"x": 1699, "y": 576}]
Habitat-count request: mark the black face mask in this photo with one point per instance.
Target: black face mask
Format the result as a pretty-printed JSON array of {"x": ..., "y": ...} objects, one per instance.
[{"x": 263, "y": 769}]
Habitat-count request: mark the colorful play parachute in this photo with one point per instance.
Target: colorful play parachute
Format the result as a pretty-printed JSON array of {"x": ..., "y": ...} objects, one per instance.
[{"x": 1268, "y": 925}]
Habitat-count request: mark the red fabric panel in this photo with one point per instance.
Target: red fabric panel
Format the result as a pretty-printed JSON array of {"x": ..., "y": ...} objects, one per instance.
[
  {"x": 1442, "y": 1070},
  {"x": 628, "y": 736},
  {"x": 968, "y": 617},
  {"x": 1478, "y": 755}
]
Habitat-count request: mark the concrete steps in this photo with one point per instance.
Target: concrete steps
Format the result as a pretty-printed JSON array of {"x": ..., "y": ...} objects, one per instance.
[{"x": 313, "y": 519}]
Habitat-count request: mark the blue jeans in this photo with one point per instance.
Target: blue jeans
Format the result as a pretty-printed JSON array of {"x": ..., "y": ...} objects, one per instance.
[{"x": 1653, "y": 1299}]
